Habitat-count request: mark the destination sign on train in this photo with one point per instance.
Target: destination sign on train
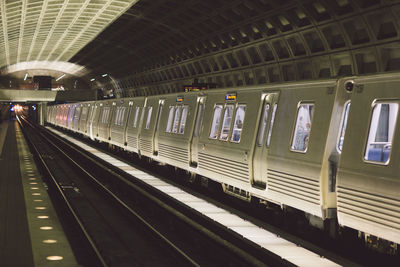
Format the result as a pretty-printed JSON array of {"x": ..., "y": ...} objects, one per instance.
[{"x": 230, "y": 97}]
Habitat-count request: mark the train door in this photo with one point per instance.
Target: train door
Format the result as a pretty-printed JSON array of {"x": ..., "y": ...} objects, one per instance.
[
  {"x": 156, "y": 127},
  {"x": 194, "y": 142},
  {"x": 92, "y": 121},
  {"x": 266, "y": 123}
]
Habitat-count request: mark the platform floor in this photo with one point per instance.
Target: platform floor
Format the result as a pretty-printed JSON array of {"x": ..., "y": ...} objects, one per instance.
[{"x": 30, "y": 232}]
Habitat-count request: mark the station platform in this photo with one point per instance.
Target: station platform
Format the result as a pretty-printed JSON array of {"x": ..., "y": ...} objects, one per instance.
[{"x": 30, "y": 232}]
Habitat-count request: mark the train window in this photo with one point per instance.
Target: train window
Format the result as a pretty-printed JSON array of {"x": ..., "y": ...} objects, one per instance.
[
  {"x": 226, "y": 124},
  {"x": 176, "y": 119},
  {"x": 150, "y": 110},
  {"x": 381, "y": 130},
  {"x": 302, "y": 128},
  {"x": 199, "y": 120},
  {"x": 183, "y": 120},
  {"x": 136, "y": 117},
  {"x": 344, "y": 125},
  {"x": 263, "y": 125},
  {"x": 238, "y": 125},
  {"x": 216, "y": 121},
  {"x": 271, "y": 124},
  {"x": 170, "y": 119}
]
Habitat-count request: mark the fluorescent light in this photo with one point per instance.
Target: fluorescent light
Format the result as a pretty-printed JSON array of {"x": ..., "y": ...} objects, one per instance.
[
  {"x": 104, "y": 75},
  {"x": 59, "y": 78},
  {"x": 92, "y": 80},
  {"x": 26, "y": 76}
]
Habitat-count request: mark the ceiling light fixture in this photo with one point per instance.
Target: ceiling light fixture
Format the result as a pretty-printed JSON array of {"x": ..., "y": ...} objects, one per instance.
[
  {"x": 92, "y": 80},
  {"x": 26, "y": 76},
  {"x": 104, "y": 75},
  {"x": 59, "y": 78}
]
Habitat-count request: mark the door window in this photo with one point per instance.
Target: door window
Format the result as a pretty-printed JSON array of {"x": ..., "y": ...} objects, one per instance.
[
  {"x": 136, "y": 117},
  {"x": 149, "y": 111},
  {"x": 343, "y": 127},
  {"x": 263, "y": 125},
  {"x": 199, "y": 120},
  {"x": 271, "y": 125}
]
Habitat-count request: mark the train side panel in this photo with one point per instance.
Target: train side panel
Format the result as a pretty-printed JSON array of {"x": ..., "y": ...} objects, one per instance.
[
  {"x": 105, "y": 115},
  {"x": 134, "y": 122},
  {"x": 148, "y": 142},
  {"x": 295, "y": 158},
  {"x": 119, "y": 122},
  {"x": 176, "y": 128},
  {"x": 368, "y": 184},
  {"x": 227, "y": 136}
]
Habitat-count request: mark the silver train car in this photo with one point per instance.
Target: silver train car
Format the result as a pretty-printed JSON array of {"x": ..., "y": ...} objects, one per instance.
[{"x": 329, "y": 148}]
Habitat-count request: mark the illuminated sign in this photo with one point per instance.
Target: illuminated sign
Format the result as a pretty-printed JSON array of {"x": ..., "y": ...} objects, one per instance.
[
  {"x": 179, "y": 99},
  {"x": 189, "y": 88},
  {"x": 230, "y": 97}
]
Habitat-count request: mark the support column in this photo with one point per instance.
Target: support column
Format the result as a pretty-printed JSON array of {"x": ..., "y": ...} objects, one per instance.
[{"x": 42, "y": 112}]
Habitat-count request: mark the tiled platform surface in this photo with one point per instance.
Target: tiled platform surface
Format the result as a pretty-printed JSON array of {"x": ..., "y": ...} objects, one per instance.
[{"x": 30, "y": 233}]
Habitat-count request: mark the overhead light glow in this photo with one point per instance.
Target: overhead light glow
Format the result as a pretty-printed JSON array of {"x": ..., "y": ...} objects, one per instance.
[
  {"x": 92, "y": 80},
  {"x": 104, "y": 75},
  {"x": 26, "y": 76},
  {"x": 59, "y": 78}
]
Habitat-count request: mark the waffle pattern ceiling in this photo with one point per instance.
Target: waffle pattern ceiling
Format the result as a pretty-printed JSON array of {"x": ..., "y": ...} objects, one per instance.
[{"x": 52, "y": 30}]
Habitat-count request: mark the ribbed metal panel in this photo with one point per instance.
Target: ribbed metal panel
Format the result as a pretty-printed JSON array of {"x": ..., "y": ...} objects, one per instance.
[
  {"x": 174, "y": 153},
  {"x": 232, "y": 169},
  {"x": 146, "y": 145},
  {"x": 117, "y": 136},
  {"x": 295, "y": 186},
  {"x": 366, "y": 206},
  {"x": 132, "y": 141}
]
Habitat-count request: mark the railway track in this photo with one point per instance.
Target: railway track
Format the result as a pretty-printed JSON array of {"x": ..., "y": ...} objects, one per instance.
[{"x": 119, "y": 221}]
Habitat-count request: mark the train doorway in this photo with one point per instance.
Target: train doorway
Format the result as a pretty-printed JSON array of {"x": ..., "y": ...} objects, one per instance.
[{"x": 266, "y": 122}]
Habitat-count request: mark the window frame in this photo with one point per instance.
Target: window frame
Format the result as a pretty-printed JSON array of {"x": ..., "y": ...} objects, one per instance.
[
  {"x": 177, "y": 119},
  {"x": 217, "y": 133},
  {"x": 366, "y": 144},
  {"x": 184, "y": 108},
  {"x": 264, "y": 123},
  {"x": 343, "y": 125},
  {"x": 135, "y": 119},
  {"x": 148, "y": 118},
  {"x": 170, "y": 120},
  {"x": 294, "y": 131},
  {"x": 234, "y": 123},
  {"x": 230, "y": 123},
  {"x": 271, "y": 124}
]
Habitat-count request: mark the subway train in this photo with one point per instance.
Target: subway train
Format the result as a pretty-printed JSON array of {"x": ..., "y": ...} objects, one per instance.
[{"x": 329, "y": 148}]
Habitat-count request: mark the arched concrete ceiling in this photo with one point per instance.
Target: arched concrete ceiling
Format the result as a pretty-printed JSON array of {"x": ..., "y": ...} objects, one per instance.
[
  {"x": 157, "y": 46},
  {"x": 46, "y": 34}
]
